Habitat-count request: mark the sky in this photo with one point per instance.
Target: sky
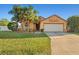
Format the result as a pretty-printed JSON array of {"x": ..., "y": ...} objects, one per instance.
[{"x": 45, "y": 10}]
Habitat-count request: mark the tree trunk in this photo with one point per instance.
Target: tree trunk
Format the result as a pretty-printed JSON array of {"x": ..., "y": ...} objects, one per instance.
[
  {"x": 23, "y": 26},
  {"x": 28, "y": 28}
]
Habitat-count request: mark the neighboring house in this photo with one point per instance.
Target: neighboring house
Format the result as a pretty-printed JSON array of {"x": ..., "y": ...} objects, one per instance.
[{"x": 4, "y": 28}]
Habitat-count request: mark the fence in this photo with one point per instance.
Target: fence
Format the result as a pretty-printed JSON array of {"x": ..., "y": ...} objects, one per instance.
[{"x": 4, "y": 28}]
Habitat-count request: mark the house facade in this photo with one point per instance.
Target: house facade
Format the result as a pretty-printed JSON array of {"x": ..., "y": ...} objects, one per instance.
[
  {"x": 54, "y": 23},
  {"x": 36, "y": 27},
  {"x": 51, "y": 24}
]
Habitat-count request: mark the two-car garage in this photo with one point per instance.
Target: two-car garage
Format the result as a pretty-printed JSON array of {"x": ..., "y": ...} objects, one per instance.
[
  {"x": 53, "y": 27},
  {"x": 54, "y": 24}
]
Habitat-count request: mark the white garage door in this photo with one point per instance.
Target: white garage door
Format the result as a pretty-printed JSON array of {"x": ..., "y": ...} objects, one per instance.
[{"x": 53, "y": 27}]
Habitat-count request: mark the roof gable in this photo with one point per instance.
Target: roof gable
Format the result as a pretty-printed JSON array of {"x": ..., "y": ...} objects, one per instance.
[
  {"x": 41, "y": 18},
  {"x": 55, "y": 18}
]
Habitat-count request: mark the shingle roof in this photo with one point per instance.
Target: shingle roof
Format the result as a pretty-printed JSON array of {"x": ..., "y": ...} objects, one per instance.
[{"x": 56, "y": 16}]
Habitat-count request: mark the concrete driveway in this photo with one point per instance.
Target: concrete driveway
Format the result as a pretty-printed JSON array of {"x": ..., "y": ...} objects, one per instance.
[{"x": 64, "y": 43}]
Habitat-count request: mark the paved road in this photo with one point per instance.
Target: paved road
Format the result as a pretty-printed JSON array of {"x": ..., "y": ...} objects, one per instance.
[{"x": 64, "y": 43}]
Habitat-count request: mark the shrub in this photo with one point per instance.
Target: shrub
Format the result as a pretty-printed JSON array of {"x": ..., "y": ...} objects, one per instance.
[
  {"x": 42, "y": 30},
  {"x": 73, "y": 24},
  {"x": 12, "y": 26}
]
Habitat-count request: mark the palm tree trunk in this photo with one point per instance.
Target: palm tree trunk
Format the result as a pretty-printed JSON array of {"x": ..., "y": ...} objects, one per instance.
[
  {"x": 23, "y": 26},
  {"x": 28, "y": 26}
]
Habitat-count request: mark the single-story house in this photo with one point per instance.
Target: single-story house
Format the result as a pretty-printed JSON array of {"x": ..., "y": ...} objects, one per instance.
[{"x": 53, "y": 23}]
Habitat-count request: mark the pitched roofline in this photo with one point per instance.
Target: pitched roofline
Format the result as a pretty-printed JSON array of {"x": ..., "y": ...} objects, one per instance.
[
  {"x": 42, "y": 18},
  {"x": 57, "y": 16}
]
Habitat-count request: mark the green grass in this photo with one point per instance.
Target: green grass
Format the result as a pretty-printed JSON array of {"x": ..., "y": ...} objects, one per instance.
[
  {"x": 13, "y": 43},
  {"x": 74, "y": 33},
  {"x": 9, "y": 35}
]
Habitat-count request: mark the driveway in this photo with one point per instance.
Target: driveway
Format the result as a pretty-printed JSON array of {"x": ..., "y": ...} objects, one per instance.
[{"x": 64, "y": 43}]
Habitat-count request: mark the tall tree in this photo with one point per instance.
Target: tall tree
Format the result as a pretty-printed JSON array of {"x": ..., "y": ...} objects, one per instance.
[
  {"x": 18, "y": 15},
  {"x": 31, "y": 16},
  {"x": 24, "y": 15},
  {"x": 73, "y": 23}
]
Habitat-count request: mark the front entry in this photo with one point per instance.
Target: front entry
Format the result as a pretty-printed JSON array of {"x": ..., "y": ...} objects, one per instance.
[{"x": 38, "y": 26}]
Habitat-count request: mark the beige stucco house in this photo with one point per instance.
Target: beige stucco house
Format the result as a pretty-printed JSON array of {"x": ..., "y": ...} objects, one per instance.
[{"x": 52, "y": 23}]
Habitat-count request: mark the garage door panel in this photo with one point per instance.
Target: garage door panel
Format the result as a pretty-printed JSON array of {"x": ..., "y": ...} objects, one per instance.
[{"x": 53, "y": 27}]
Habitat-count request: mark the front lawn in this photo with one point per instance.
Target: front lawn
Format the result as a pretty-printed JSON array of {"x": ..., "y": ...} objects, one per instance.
[
  {"x": 74, "y": 33},
  {"x": 13, "y": 43}
]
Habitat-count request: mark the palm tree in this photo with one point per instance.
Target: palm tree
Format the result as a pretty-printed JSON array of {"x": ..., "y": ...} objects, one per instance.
[
  {"x": 19, "y": 14},
  {"x": 23, "y": 15},
  {"x": 31, "y": 16}
]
